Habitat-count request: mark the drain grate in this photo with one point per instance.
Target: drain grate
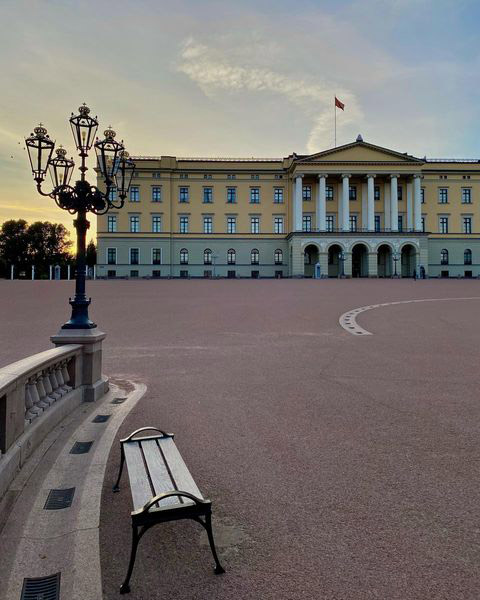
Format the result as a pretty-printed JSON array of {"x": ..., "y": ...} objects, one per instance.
[
  {"x": 41, "y": 588},
  {"x": 58, "y": 499},
  {"x": 81, "y": 447},
  {"x": 101, "y": 418},
  {"x": 118, "y": 400}
]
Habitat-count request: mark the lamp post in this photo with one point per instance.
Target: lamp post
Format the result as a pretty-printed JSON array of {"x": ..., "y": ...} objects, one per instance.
[
  {"x": 117, "y": 171},
  {"x": 396, "y": 257},
  {"x": 341, "y": 257}
]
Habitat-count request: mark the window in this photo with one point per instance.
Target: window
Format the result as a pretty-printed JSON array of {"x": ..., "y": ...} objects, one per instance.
[
  {"x": 156, "y": 174},
  {"x": 443, "y": 224},
  {"x": 278, "y": 195},
  {"x": 231, "y": 274},
  {"x": 254, "y": 176},
  {"x": 183, "y": 224},
  {"x": 156, "y": 193},
  {"x": 422, "y": 195},
  {"x": 183, "y": 194},
  {"x": 183, "y": 175},
  {"x": 467, "y": 257},
  {"x": 111, "y": 273},
  {"x": 134, "y": 193},
  {"x": 353, "y": 222},
  {"x": 207, "y": 176},
  {"x": 277, "y": 176},
  {"x": 400, "y": 223},
  {"x": 254, "y": 257},
  {"x": 443, "y": 195},
  {"x": 254, "y": 195},
  {"x": 376, "y": 192},
  {"x": 134, "y": 223},
  {"x": 156, "y": 274},
  {"x": 184, "y": 256},
  {"x": 112, "y": 223},
  {"x": 329, "y": 192},
  {"x": 111, "y": 256},
  {"x": 443, "y": 176},
  {"x": 466, "y": 195},
  {"x": 467, "y": 224},
  {"x": 112, "y": 194},
  {"x": 156, "y": 224},
  {"x": 352, "y": 192},
  {"x": 330, "y": 222},
  {"x": 278, "y": 225},
  {"x": 231, "y": 176},
  {"x": 255, "y": 274},
  {"x": 207, "y": 195},
  {"x": 399, "y": 193},
  {"x": 134, "y": 256},
  {"x": 278, "y": 257},
  {"x": 377, "y": 223},
  {"x": 423, "y": 224},
  {"x": 255, "y": 224},
  {"x": 207, "y": 273},
  {"x": 134, "y": 273},
  {"x": 207, "y": 224},
  {"x": 207, "y": 256},
  {"x": 444, "y": 257},
  {"x": 231, "y": 195},
  {"x": 231, "y": 256},
  {"x": 307, "y": 192},
  {"x": 466, "y": 176},
  {"x": 306, "y": 223},
  {"x": 231, "y": 224},
  {"x": 156, "y": 256},
  {"x": 183, "y": 274}
]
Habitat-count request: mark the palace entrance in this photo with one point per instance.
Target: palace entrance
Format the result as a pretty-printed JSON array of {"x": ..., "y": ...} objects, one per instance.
[{"x": 360, "y": 261}]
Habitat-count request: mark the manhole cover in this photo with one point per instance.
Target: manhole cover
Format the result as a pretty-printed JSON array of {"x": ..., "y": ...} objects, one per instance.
[
  {"x": 59, "y": 499},
  {"x": 41, "y": 588},
  {"x": 81, "y": 447},
  {"x": 118, "y": 400},
  {"x": 101, "y": 418}
]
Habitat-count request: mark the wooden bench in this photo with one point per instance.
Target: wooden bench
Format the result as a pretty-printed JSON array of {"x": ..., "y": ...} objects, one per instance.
[{"x": 162, "y": 489}]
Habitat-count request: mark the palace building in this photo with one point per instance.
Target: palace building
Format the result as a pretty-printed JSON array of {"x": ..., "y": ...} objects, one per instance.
[{"x": 358, "y": 209}]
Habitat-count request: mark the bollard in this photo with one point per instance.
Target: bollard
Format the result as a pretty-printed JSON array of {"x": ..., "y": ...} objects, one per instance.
[
  {"x": 50, "y": 272},
  {"x": 33, "y": 272},
  {"x": 12, "y": 269},
  {"x": 68, "y": 272}
]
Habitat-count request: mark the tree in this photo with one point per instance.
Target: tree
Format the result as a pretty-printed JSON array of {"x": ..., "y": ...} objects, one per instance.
[
  {"x": 91, "y": 254},
  {"x": 14, "y": 245},
  {"x": 48, "y": 245}
]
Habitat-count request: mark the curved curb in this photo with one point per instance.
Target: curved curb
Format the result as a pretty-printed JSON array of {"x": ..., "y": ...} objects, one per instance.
[{"x": 349, "y": 319}]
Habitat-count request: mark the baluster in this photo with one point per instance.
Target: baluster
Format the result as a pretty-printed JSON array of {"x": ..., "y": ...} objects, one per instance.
[
  {"x": 48, "y": 386},
  {"x": 40, "y": 400},
  {"x": 44, "y": 399},
  {"x": 59, "y": 376},
  {"x": 56, "y": 393},
  {"x": 31, "y": 396},
  {"x": 66, "y": 376}
]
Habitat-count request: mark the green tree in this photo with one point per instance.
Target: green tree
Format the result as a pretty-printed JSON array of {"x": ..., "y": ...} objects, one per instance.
[
  {"x": 91, "y": 254},
  {"x": 14, "y": 246},
  {"x": 48, "y": 244}
]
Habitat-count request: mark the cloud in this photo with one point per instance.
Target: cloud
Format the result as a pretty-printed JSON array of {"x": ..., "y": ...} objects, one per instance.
[{"x": 212, "y": 71}]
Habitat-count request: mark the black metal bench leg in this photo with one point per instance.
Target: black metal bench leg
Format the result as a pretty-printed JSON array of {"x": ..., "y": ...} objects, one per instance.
[
  {"x": 208, "y": 526},
  {"x": 116, "y": 487},
  {"x": 125, "y": 587}
]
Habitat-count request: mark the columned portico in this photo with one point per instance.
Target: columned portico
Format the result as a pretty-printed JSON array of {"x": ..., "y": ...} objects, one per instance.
[
  {"x": 345, "y": 202},
  {"x": 322, "y": 203}
]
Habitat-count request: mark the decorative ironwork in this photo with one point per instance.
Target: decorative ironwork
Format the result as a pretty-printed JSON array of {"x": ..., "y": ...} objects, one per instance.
[{"x": 117, "y": 170}]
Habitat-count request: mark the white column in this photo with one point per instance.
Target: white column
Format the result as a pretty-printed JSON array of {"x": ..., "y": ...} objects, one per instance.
[
  {"x": 371, "y": 203},
  {"x": 345, "y": 203},
  {"x": 386, "y": 206},
  {"x": 417, "y": 202},
  {"x": 394, "y": 202},
  {"x": 364, "y": 206},
  {"x": 409, "y": 206},
  {"x": 322, "y": 203},
  {"x": 298, "y": 208}
]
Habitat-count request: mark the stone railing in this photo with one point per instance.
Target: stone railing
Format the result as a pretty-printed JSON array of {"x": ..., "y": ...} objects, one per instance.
[{"x": 36, "y": 393}]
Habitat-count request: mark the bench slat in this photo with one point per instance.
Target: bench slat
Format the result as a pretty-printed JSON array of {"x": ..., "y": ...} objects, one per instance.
[
  {"x": 183, "y": 480},
  {"x": 139, "y": 483},
  {"x": 162, "y": 482}
]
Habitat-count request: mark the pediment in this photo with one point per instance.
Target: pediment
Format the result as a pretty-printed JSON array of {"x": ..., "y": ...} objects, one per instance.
[{"x": 359, "y": 152}]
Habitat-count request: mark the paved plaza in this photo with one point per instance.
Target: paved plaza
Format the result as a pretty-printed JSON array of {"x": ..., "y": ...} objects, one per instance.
[{"x": 340, "y": 466}]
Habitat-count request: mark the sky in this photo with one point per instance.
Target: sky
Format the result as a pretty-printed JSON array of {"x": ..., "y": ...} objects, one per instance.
[{"x": 246, "y": 78}]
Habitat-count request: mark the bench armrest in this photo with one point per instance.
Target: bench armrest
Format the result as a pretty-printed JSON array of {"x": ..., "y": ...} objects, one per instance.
[
  {"x": 161, "y": 497},
  {"x": 164, "y": 434}
]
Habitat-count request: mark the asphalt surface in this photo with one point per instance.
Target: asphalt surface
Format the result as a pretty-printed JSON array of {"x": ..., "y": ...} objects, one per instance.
[{"x": 340, "y": 466}]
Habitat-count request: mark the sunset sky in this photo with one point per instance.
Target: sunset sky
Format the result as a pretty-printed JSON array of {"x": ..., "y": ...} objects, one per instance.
[{"x": 236, "y": 78}]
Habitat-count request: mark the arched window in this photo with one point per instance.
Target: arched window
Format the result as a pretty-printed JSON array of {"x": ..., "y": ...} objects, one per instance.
[
  {"x": 184, "y": 256},
  {"x": 467, "y": 257},
  {"x": 231, "y": 256},
  {"x": 444, "y": 257},
  {"x": 207, "y": 256},
  {"x": 255, "y": 257},
  {"x": 278, "y": 257}
]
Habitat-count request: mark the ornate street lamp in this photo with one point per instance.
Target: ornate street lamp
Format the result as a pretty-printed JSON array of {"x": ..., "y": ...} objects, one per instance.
[
  {"x": 396, "y": 257},
  {"x": 114, "y": 165}
]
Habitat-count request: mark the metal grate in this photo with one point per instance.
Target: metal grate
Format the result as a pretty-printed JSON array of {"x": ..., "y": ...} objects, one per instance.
[
  {"x": 118, "y": 400},
  {"x": 41, "y": 588},
  {"x": 58, "y": 499},
  {"x": 101, "y": 418},
  {"x": 81, "y": 447}
]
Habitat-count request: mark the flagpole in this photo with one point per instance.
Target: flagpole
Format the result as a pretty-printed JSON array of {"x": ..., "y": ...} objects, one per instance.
[{"x": 335, "y": 113}]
